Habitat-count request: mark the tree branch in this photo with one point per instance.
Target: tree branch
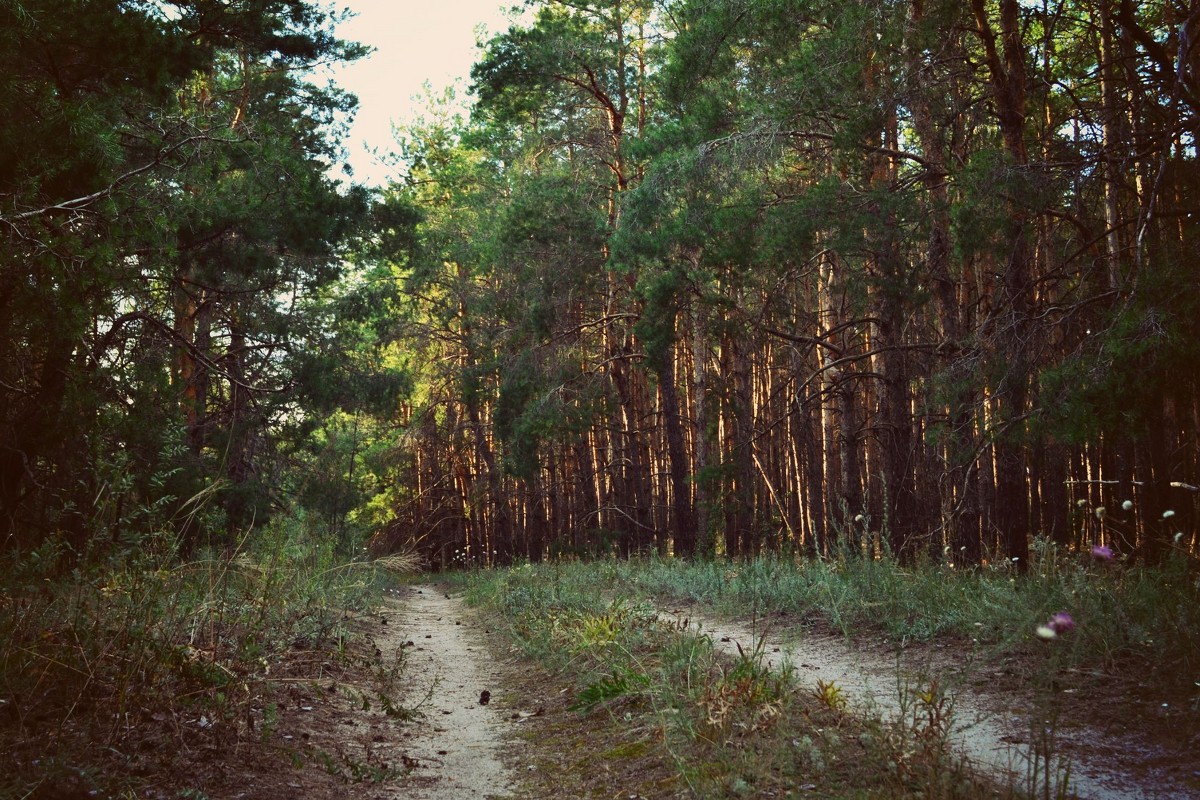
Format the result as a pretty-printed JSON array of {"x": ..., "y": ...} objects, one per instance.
[{"x": 80, "y": 203}]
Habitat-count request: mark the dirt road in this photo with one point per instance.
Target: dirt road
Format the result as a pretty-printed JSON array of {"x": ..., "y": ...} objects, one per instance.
[
  {"x": 993, "y": 732},
  {"x": 454, "y": 724},
  {"x": 457, "y": 739}
]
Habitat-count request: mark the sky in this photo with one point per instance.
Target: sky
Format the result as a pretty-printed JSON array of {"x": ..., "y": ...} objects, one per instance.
[{"x": 415, "y": 41}]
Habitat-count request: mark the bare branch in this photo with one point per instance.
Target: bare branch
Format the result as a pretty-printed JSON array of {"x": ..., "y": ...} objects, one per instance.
[{"x": 81, "y": 203}]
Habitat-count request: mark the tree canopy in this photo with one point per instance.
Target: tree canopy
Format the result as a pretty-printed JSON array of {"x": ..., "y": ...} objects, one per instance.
[
  {"x": 696, "y": 276},
  {"x": 821, "y": 277}
]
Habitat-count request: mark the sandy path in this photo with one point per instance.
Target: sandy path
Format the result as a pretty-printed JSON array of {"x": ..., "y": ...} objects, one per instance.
[
  {"x": 458, "y": 740},
  {"x": 995, "y": 738}
]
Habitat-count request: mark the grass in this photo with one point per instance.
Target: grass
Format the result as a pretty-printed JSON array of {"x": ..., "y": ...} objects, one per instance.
[
  {"x": 733, "y": 728},
  {"x": 726, "y": 727},
  {"x": 1130, "y": 617},
  {"x": 107, "y": 671}
]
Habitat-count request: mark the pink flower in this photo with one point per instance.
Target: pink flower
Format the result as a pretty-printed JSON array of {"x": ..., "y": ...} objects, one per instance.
[
  {"x": 1102, "y": 552},
  {"x": 1061, "y": 622}
]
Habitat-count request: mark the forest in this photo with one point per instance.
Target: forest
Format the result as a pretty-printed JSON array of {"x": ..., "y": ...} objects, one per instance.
[
  {"x": 694, "y": 276},
  {"x": 698, "y": 277},
  {"x": 781, "y": 301}
]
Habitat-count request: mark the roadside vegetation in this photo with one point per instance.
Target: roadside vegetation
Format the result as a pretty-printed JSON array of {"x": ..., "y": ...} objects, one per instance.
[
  {"x": 648, "y": 693},
  {"x": 1129, "y": 617},
  {"x": 734, "y": 727},
  {"x": 112, "y": 672}
]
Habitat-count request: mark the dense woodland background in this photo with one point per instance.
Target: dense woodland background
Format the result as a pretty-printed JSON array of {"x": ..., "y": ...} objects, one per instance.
[{"x": 699, "y": 276}]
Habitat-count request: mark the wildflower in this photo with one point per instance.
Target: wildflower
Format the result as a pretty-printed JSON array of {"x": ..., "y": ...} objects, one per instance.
[
  {"x": 1046, "y": 632},
  {"x": 1178, "y": 536},
  {"x": 1102, "y": 552},
  {"x": 1127, "y": 505},
  {"x": 1099, "y": 512},
  {"x": 1168, "y": 514},
  {"x": 859, "y": 518},
  {"x": 1081, "y": 503},
  {"x": 1061, "y": 622}
]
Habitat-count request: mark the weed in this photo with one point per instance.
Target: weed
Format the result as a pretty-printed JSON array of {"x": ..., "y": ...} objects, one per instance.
[
  {"x": 830, "y": 695},
  {"x": 623, "y": 682}
]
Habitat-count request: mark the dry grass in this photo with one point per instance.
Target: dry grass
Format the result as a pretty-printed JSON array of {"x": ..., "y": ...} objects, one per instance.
[
  {"x": 105, "y": 672},
  {"x": 400, "y": 563}
]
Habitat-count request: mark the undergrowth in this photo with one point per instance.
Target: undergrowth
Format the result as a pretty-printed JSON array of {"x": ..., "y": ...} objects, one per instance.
[
  {"x": 730, "y": 727},
  {"x": 109, "y": 668},
  {"x": 1132, "y": 617}
]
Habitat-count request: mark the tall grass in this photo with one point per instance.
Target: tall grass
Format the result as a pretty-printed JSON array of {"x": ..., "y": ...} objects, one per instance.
[
  {"x": 1149, "y": 615},
  {"x": 105, "y": 670},
  {"x": 1127, "y": 615}
]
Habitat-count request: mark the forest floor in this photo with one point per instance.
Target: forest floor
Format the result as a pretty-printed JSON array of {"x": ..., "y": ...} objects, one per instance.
[
  {"x": 404, "y": 712},
  {"x": 1121, "y": 738},
  {"x": 445, "y": 708}
]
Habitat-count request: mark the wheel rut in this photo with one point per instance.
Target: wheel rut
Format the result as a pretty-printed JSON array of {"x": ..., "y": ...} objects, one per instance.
[
  {"x": 992, "y": 734},
  {"x": 456, "y": 742}
]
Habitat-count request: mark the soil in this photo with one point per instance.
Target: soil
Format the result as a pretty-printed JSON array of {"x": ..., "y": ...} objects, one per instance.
[
  {"x": 400, "y": 713},
  {"x": 456, "y": 748},
  {"x": 1120, "y": 739},
  {"x": 433, "y": 705}
]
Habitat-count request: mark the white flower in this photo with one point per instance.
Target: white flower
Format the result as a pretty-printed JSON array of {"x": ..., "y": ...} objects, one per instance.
[
  {"x": 1080, "y": 503},
  {"x": 1168, "y": 514},
  {"x": 1127, "y": 505},
  {"x": 1178, "y": 537},
  {"x": 1046, "y": 632},
  {"x": 1099, "y": 512}
]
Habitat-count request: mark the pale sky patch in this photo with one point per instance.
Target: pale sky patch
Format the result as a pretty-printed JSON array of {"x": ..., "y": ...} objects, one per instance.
[{"x": 415, "y": 41}]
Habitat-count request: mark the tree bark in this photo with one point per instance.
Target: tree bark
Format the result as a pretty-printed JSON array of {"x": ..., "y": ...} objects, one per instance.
[{"x": 1011, "y": 323}]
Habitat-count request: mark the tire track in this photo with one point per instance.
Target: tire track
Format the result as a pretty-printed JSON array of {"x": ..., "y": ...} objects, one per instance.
[
  {"x": 994, "y": 738},
  {"x": 459, "y": 738}
]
